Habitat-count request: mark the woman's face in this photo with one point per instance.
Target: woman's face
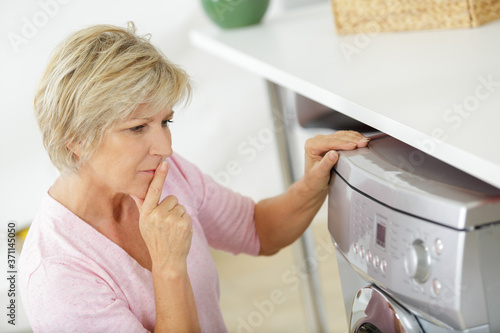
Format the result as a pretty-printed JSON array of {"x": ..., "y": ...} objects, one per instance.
[{"x": 130, "y": 152}]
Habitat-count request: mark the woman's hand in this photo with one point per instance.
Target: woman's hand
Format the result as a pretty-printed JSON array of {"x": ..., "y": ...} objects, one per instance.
[
  {"x": 320, "y": 156},
  {"x": 282, "y": 219},
  {"x": 165, "y": 227},
  {"x": 167, "y": 230}
]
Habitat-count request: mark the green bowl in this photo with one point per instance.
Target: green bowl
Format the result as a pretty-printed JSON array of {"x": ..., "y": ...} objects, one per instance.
[{"x": 229, "y": 14}]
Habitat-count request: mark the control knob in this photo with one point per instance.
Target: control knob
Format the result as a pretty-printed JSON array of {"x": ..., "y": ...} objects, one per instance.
[{"x": 418, "y": 261}]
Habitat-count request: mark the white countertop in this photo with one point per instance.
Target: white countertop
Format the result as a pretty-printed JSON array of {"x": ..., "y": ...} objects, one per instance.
[{"x": 438, "y": 91}]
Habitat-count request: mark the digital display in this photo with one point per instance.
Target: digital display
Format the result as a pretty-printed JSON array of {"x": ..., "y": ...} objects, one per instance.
[
  {"x": 381, "y": 235},
  {"x": 380, "y": 240}
]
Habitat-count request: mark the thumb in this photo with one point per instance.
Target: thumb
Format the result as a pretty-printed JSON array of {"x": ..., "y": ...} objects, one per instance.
[{"x": 327, "y": 162}]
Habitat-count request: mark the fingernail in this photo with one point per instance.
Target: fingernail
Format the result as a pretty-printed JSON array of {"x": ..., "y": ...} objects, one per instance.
[
  {"x": 365, "y": 139},
  {"x": 164, "y": 165},
  {"x": 332, "y": 155}
]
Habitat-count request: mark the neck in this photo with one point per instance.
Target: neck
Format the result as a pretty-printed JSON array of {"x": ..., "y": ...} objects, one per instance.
[{"x": 91, "y": 201}]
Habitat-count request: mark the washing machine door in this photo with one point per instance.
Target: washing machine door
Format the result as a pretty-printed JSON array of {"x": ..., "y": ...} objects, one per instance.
[{"x": 375, "y": 312}]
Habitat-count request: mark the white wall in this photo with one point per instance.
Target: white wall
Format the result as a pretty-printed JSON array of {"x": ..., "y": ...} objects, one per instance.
[{"x": 229, "y": 108}]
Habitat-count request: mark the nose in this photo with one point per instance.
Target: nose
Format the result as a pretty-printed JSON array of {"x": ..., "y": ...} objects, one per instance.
[{"x": 161, "y": 142}]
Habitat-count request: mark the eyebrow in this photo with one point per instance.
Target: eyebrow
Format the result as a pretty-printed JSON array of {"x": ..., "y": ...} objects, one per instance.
[{"x": 149, "y": 119}]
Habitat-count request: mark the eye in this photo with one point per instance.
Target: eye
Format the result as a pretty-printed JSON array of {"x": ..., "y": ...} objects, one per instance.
[
  {"x": 137, "y": 129},
  {"x": 165, "y": 123}
]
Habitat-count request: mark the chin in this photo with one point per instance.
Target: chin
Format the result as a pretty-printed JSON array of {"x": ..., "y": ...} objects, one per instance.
[
  {"x": 142, "y": 192},
  {"x": 139, "y": 189}
]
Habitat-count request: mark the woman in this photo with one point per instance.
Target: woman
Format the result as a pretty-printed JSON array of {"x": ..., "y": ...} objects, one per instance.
[{"x": 121, "y": 241}]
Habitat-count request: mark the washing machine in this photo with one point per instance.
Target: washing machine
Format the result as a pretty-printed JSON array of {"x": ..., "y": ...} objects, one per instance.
[{"x": 417, "y": 240}]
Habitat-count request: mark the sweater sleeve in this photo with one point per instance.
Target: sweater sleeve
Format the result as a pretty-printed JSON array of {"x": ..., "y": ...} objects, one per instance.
[
  {"x": 65, "y": 296},
  {"x": 227, "y": 217}
]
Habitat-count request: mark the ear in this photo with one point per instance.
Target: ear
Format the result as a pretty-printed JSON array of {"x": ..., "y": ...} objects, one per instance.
[{"x": 75, "y": 148}]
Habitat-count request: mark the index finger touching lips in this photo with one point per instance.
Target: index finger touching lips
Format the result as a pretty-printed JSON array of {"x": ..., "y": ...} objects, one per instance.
[{"x": 154, "y": 191}]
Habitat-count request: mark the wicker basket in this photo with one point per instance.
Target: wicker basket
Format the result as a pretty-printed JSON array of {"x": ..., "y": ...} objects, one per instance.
[{"x": 368, "y": 16}]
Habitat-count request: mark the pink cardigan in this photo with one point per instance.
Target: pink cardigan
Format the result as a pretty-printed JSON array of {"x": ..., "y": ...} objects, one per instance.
[{"x": 74, "y": 279}]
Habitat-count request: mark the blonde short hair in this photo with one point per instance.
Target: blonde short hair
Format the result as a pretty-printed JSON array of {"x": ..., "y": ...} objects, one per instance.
[{"x": 96, "y": 77}]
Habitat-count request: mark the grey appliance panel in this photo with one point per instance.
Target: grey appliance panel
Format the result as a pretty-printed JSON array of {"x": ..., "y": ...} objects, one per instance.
[
  {"x": 488, "y": 239},
  {"x": 422, "y": 231},
  {"x": 415, "y": 183},
  {"x": 459, "y": 302}
]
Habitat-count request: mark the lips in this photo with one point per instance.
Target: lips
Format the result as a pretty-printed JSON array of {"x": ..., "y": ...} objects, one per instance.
[{"x": 150, "y": 172}]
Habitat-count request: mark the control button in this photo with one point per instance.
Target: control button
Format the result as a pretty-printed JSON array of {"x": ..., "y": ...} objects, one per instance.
[
  {"x": 376, "y": 261},
  {"x": 362, "y": 251},
  {"x": 369, "y": 256},
  {"x": 436, "y": 286},
  {"x": 383, "y": 265},
  {"x": 356, "y": 247},
  {"x": 418, "y": 261},
  {"x": 438, "y": 246}
]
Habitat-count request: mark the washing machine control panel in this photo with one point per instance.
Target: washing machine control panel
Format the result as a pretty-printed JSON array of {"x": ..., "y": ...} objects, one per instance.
[
  {"x": 415, "y": 260},
  {"x": 418, "y": 261},
  {"x": 401, "y": 251},
  {"x": 421, "y": 231}
]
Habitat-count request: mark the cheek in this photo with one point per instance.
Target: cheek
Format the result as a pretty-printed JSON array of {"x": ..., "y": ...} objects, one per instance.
[
  {"x": 121, "y": 169},
  {"x": 130, "y": 157}
]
